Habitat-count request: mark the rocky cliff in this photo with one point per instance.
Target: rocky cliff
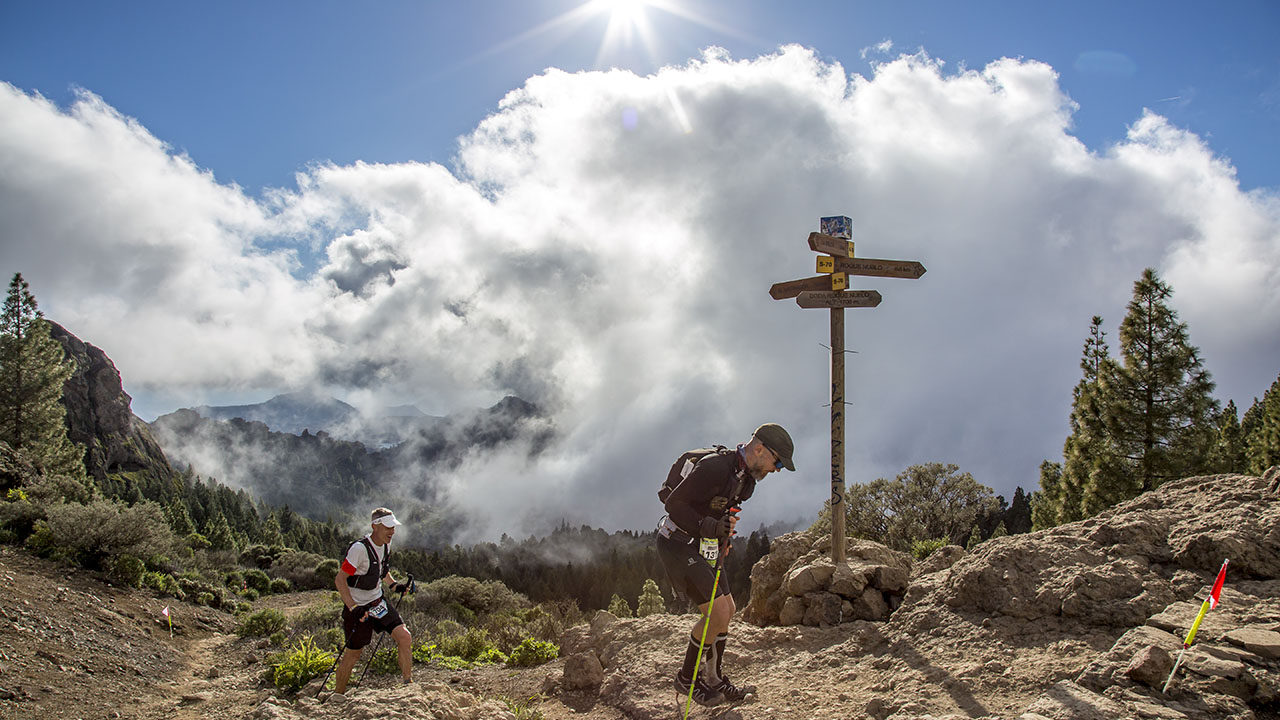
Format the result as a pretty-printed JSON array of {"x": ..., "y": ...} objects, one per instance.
[{"x": 99, "y": 415}]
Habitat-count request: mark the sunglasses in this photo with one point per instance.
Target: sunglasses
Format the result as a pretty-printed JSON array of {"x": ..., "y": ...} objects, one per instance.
[{"x": 777, "y": 461}]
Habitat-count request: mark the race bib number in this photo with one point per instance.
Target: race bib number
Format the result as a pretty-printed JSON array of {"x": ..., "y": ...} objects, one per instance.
[
  {"x": 710, "y": 549},
  {"x": 377, "y": 611}
]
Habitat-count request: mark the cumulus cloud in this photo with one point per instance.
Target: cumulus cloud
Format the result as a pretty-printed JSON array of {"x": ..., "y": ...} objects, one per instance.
[{"x": 603, "y": 246}]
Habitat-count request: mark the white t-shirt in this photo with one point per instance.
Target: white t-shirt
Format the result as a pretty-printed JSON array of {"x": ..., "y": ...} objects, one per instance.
[{"x": 357, "y": 563}]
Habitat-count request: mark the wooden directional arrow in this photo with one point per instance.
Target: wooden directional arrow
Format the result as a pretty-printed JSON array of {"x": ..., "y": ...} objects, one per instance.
[
  {"x": 830, "y": 245},
  {"x": 845, "y": 299},
  {"x": 792, "y": 288},
  {"x": 909, "y": 269}
]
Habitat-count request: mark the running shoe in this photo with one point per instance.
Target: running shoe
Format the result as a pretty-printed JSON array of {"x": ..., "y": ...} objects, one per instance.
[{"x": 703, "y": 694}]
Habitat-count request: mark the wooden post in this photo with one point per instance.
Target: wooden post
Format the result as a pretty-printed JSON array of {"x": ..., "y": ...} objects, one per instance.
[
  {"x": 837, "y": 435},
  {"x": 828, "y": 291}
]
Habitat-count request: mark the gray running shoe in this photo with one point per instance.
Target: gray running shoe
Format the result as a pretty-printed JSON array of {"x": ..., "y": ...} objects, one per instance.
[
  {"x": 732, "y": 692},
  {"x": 703, "y": 694}
]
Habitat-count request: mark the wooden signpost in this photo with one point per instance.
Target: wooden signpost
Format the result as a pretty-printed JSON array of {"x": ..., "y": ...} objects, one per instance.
[{"x": 828, "y": 291}]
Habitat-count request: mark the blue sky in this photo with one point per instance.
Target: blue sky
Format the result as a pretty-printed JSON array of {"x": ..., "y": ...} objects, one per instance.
[
  {"x": 256, "y": 91},
  {"x": 444, "y": 203}
]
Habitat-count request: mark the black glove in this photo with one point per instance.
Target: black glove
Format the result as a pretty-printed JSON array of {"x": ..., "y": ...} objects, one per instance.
[
  {"x": 407, "y": 586},
  {"x": 714, "y": 527}
]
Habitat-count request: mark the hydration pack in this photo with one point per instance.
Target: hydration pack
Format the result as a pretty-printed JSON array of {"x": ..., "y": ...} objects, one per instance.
[
  {"x": 376, "y": 572},
  {"x": 684, "y": 465}
]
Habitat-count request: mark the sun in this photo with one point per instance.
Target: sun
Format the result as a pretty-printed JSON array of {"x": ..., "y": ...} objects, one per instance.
[
  {"x": 626, "y": 12},
  {"x": 627, "y": 22}
]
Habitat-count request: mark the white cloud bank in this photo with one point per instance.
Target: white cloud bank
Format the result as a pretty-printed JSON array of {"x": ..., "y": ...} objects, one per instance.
[{"x": 604, "y": 246}]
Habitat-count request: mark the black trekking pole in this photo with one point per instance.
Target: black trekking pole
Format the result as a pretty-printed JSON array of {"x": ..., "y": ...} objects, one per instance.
[
  {"x": 381, "y": 635},
  {"x": 336, "y": 659}
]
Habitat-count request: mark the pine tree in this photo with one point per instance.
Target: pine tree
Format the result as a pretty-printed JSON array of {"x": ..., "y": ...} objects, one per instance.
[
  {"x": 1046, "y": 502},
  {"x": 619, "y": 607},
  {"x": 1160, "y": 410},
  {"x": 1091, "y": 466},
  {"x": 1018, "y": 518},
  {"x": 1228, "y": 454},
  {"x": 218, "y": 532},
  {"x": 650, "y": 601},
  {"x": 33, "y": 370},
  {"x": 975, "y": 538},
  {"x": 1262, "y": 427},
  {"x": 999, "y": 532}
]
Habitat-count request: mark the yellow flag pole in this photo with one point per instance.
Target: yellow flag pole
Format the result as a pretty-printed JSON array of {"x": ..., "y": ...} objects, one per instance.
[{"x": 1209, "y": 603}]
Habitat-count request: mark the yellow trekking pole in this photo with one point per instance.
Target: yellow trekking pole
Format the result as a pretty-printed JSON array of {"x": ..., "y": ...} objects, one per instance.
[{"x": 688, "y": 704}]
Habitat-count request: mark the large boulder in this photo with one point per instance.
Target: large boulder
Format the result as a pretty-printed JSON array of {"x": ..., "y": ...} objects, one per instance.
[
  {"x": 1119, "y": 568},
  {"x": 799, "y": 583}
]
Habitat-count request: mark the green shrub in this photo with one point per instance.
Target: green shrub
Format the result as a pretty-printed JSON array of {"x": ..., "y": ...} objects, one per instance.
[
  {"x": 532, "y": 652},
  {"x": 424, "y": 652},
  {"x": 92, "y": 534},
  {"x": 163, "y": 583},
  {"x": 921, "y": 549},
  {"x": 196, "y": 541},
  {"x": 303, "y": 663},
  {"x": 128, "y": 570},
  {"x": 279, "y": 585},
  {"x": 470, "y": 644},
  {"x": 300, "y": 569},
  {"x": 325, "y": 572},
  {"x": 261, "y": 623},
  {"x": 257, "y": 579},
  {"x": 479, "y": 597},
  {"x": 262, "y": 556},
  {"x": 206, "y": 599},
  {"x": 18, "y": 517},
  {"x": 278, "y": 638},
  {"x": 385, "y": 662},
  {"x": 234, "y": 580},
  {"x": 491, "y": 656},
  {"x": 251, "y": 595}
]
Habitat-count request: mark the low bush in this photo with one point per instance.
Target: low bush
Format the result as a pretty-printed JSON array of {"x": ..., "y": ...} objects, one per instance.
[
  {"x": 386, "y": 661},
  {"x": 921, "y": 549},
  {"x": 261, "y": 623},
  {"x": 279, "y": 585},
  {"x": 532, "y": 652},
  {"x": 298, "y": 667},
  {"x": 128, "y": 570},
  {"x": 257, "y": 580},
  {"x": 300, "y": 570},
  {"x": 470, "y": 644}
]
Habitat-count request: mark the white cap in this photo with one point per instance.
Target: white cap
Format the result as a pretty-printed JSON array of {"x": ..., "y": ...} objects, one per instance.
[{"x": 383, "y": 516}]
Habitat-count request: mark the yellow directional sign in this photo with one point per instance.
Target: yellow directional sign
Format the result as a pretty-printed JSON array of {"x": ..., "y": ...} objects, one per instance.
[
  {"x": 826, "y": 264},
  {"x": 839, "y": 281},
  {"x": 830, "y": 245},
  {"x": 846, "y": 299}
]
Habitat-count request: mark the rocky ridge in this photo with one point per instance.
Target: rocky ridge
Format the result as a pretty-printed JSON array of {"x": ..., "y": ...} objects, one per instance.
[{"x": 1077, "y": 622}]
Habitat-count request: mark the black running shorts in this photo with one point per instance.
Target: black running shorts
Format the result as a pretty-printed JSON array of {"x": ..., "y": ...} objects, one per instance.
[
  {"x": 689, "y": 572},
  {"x": 359, "y": 633}
]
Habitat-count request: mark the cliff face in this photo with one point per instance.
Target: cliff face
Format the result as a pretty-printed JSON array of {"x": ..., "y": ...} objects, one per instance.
[{"x": 99, "y": 415}]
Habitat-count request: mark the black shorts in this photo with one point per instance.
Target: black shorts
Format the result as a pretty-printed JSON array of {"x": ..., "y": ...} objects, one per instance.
[
  {"x": 359, "y": 633},
  {"x": 689, "y": 572}
]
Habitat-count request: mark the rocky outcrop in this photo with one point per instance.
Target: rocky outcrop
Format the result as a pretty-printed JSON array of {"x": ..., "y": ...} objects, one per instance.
[
  {"x": 99, "y": 415},
  {"x": 798, "y": 583}
]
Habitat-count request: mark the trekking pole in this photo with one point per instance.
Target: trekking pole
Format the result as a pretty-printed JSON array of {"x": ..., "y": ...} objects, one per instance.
[
  {"x": 336, "y": 659},
  {"x": 381, "y": 635},
  {"x": 701, "y": 643}
]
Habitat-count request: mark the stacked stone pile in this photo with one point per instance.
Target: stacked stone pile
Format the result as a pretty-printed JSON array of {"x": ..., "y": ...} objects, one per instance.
[{"x": 798, "y": 583}]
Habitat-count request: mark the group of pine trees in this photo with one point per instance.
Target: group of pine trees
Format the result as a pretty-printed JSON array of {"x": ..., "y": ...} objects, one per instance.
[{"x": 1148, "y": 416}]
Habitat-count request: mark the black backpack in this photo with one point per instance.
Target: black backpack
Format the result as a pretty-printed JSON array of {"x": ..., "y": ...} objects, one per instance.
[
  {"x": 374, "y": 575},
  {"x": 684, "y": 465}
]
